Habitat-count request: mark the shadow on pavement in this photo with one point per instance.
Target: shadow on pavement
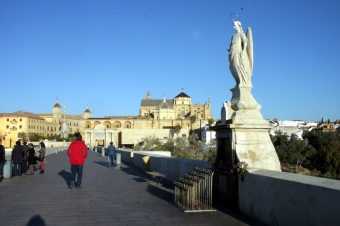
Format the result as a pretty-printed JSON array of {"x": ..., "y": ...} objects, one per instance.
[
  {"x": 161, "y": 191},
  {"x": 36, "y": 220},
  {"x": 106, "y": 164},
  {"x": 66, "y": 175}
]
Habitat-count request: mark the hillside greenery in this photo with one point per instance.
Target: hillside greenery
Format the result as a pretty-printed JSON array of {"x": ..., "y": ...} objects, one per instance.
[
  {"x": 318, "y": 151},
  {"x": 37, "y": 137},
  {"x": 191, "y": 148}
]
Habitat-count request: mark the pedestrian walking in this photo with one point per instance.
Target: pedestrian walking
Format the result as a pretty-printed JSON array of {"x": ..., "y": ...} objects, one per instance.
[
  {"x": 42, "y": 152},
  {"x": 77, "y": 152},
  {"x": 24, "y": 159},
  {"x": 17, "y": 154},
  {"x": 32, "y": 160},
  {"x": 111, "y": 153}
]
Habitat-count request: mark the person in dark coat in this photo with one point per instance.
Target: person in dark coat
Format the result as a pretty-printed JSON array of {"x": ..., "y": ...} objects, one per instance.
[
  {"x": 17, "y": 155},
  {"x": 2, "y": 159},
  {"x": 31, "y": 159},
  {"x": 24, "y": 159}
]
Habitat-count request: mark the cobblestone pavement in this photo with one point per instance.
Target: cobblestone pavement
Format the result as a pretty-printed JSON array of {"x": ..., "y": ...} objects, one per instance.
[{"x": 109, "y": 196}]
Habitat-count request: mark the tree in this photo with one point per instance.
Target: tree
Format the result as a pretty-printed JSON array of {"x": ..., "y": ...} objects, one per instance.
[
  {"x": 210, "y": 152},
  {"x": 177, "y": 129},
  {"x": 292, "y": 150},
  {"x": 196, "y": 146},
  {"x": 210, "y": 121},
  {"x": 169, "y": 145},
  {"x": 327, "y": 145},
  {"x": 149, "y": 144},
  {"x": 192, "y": 121},
  {"x": 181, "y": 149},
  {"x": 23, "y": 136},
  {"x": 35, "y": 137}
]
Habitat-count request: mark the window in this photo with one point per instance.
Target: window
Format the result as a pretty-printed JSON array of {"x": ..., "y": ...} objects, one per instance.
[
  {"x": 164, "y": 118},
  {"x": 7, "y": 126},
  {"x": 184, "y": 135},
  {"x": 20, "y": 120},
  {"x": 182, "y": 102},
  {"x": 20, "y": 126},
  {"x": 201, "y": 115}
]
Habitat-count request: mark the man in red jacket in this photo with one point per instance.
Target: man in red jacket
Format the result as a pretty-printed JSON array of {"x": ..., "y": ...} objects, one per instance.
[{"x": 77, "y": 152}]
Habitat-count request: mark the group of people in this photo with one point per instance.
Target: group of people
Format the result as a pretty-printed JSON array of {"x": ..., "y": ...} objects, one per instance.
[
  {"x": 25, "y": 155},
  {"x": 23, "y": 158}
]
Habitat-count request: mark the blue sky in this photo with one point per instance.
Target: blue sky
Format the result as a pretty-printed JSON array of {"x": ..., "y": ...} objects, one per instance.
[{"x": 107, "y": 54}]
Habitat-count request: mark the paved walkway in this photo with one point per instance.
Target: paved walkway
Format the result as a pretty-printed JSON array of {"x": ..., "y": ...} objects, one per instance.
[{"x": 115, "y": 196}]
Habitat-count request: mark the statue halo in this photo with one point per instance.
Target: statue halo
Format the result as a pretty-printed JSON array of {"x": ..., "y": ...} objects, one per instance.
[{"x": 235, "y": 17}]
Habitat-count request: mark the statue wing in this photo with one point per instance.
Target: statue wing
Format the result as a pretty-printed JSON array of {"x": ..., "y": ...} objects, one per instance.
[{"x": 250, "y": 50}]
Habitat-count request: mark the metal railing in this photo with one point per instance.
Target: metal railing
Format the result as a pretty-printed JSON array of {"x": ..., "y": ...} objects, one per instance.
[{"x": 193, "y": 193}]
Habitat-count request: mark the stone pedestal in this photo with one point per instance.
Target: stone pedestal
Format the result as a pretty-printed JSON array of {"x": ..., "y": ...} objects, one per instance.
[
  {"x": 245, "y": 142},
  {"x": 245, "y": 137}
]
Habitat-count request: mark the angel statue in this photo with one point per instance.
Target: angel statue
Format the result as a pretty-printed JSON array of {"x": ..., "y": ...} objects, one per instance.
[{"x": 241, "y": 55}]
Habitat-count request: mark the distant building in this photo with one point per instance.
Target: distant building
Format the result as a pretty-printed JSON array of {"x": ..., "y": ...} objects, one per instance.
[
  {"x": 157, "y": 118},
  {"x": 207, "y": 134},
  {"x": 14, "y": 125},
  {"x": 298, "y": 126}
]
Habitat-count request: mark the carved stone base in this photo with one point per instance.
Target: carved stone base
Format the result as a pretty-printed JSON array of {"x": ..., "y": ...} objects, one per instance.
[
  {"x": 251, "y": 143},
  {"x": 247, "y": 132},
  {"x": 246, "y": 109}
]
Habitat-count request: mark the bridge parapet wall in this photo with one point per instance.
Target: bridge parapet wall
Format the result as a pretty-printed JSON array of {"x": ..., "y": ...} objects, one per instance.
[{"x": 279, "y": 198}]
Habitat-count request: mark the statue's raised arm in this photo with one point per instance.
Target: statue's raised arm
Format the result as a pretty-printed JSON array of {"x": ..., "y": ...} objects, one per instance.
[{"x": 241, "y": 55}]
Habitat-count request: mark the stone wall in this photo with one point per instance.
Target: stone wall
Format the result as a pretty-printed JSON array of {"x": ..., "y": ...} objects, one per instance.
[
  {"x": 278, "y": 198},
  {"x": 162, "y": 162}
]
